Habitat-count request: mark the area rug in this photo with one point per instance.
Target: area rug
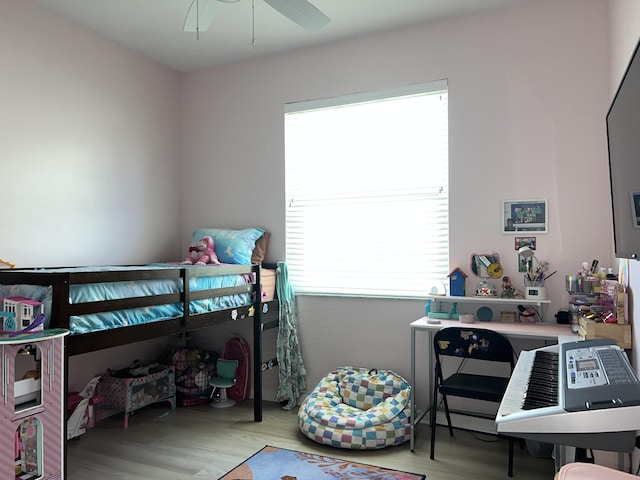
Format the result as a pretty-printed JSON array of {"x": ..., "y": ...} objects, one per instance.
[{"x": 273, "y": 463}]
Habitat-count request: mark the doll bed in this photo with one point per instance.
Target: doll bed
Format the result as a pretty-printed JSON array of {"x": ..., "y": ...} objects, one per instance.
[{"x": 105, "y": 307}]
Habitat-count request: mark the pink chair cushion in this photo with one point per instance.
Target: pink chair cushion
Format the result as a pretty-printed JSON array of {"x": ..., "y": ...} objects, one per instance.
[{"x": 589, "y": 471}]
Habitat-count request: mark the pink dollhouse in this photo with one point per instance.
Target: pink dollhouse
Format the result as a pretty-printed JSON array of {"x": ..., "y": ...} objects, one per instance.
[
  {"x": 20, "y": 313},
  {"x": 31, "y": 408}
]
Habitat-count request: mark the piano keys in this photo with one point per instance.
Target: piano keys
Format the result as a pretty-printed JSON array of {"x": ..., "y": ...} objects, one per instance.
[{"x": 542, "y": 388}]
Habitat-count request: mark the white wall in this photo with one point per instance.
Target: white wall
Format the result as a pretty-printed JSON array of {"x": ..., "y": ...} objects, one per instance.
[
  {"x": 89, "y": 146},
  {"x": 528, "y": 90}
]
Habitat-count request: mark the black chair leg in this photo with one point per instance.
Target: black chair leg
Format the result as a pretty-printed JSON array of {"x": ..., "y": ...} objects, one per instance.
[
  {"x": 432, "y": 417},
  {"x": 447, "y": 414},
  {"x": 510, "y": 470}
]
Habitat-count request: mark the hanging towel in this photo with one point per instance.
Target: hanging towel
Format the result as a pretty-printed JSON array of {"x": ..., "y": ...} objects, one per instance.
[{"x": 291, "y": 382}]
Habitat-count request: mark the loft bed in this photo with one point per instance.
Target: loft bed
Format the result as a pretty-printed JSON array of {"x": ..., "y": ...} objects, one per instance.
[{"x": 93, "y": 303}]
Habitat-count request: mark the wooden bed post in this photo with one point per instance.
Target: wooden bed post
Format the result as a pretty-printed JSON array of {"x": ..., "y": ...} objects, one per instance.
[
  {"x": 185, "y": 275},
  {"x": 257, "y": 347}
]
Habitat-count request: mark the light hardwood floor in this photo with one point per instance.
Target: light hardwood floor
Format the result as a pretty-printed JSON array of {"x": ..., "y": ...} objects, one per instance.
[{"x": 204, "y": 443}]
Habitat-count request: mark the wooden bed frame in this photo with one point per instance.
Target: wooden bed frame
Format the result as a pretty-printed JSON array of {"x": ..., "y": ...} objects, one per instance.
[{"x": 263, "y": 317}]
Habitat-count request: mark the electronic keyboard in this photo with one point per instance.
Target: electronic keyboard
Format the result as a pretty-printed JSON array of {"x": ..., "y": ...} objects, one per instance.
[{"x": 583, "y": 394}]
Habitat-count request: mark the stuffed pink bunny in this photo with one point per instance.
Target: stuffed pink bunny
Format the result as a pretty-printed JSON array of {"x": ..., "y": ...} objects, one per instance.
[{"x": 201, "y": 253}]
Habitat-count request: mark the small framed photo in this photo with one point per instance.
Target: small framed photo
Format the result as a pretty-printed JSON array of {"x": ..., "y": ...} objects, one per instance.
[
  {"x": 525, "y": 242},
  {"x": 635, "y": 209},
  {"x": 523, "y": 263},
  {"x": 520, "y": 216}
]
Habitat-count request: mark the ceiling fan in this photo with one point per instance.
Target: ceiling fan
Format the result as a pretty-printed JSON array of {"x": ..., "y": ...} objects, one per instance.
[{"x": 202, "y": 12}]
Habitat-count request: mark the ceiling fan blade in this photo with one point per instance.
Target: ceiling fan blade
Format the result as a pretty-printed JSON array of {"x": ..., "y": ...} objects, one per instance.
[
  {"x": 200, "y": 16},
  {"x": 301, "y": 12}
]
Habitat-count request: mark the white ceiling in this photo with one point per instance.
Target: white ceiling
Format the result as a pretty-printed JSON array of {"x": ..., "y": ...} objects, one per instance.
[{"x": 248, "y": 28}]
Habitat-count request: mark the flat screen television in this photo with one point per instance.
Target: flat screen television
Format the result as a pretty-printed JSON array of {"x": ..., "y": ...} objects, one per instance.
[{"x": 623, "y": 136}]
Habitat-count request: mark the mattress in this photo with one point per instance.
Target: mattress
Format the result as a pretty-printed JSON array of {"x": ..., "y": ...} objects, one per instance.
[
  {"x": 26, "y": 390},
  {"x": 268, "y": 280}
]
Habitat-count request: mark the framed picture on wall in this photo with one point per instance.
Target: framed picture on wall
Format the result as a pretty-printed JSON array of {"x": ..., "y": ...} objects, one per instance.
[
  {"x": 520, "y": 216},
  {"x": 525, "y": 242},
  {"x": 635, "y": 209},
  {"x": 523, "y": 263}
]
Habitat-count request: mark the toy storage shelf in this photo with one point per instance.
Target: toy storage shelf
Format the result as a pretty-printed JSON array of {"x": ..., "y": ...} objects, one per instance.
[
  {"x": 130, "y": 394},
  {"x": 489, "y": 301}
]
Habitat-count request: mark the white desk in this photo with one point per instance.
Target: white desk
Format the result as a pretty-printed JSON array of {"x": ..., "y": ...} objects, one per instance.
[{"x": 540, "y": 331}]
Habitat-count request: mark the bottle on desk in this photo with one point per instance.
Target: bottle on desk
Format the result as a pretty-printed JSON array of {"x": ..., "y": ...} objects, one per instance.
[{"x": 575, "y": 323}]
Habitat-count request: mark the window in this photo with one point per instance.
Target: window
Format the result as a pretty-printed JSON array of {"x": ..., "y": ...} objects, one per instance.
[{"x": 367, "y": 192}]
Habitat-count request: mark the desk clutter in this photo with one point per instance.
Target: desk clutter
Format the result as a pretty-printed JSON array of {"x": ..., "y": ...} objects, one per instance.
[
  {"x": 504, "y": 303},
  {"x": 598, "y": 304},
  {"x": 488, "y": 268}
]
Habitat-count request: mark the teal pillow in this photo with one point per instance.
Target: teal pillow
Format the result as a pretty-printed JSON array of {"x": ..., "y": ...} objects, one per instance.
[{"x": 231, "y": 246}]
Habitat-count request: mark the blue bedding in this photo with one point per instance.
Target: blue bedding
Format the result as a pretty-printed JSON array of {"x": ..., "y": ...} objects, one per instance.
[{"x": 139, "y": 288}]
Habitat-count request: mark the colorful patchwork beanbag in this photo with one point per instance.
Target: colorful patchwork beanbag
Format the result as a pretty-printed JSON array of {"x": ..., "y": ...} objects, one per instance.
[{"x": 357, "y": 408}]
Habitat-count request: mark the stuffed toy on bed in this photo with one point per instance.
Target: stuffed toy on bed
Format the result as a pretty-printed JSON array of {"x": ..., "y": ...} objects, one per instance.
[{"x": 201, "y": 253}]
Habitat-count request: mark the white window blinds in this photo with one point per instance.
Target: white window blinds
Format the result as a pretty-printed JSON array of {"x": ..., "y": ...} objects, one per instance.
[{"x": 367, "y": 192}]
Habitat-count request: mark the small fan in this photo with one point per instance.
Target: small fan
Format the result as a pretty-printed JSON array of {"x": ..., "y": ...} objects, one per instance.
[{"x": 202, "y": 13}]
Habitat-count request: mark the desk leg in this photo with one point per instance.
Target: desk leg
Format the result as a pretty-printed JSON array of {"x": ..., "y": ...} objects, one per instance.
[
  {"x": 412, "y": 395},
  {"x": 432, "y": 379}
]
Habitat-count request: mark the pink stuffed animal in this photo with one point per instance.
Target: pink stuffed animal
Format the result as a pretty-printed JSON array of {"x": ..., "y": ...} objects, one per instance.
[{"x": 201, "y": 253}]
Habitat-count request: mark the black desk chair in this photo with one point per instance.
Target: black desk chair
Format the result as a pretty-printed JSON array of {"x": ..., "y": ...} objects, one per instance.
[{"x": 469, "y": 343}]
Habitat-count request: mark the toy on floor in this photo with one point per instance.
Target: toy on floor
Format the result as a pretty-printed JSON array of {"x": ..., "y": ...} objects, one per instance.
[
  {"x": 193, "y": 369},
  {"x": 81, "y": 405}
]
